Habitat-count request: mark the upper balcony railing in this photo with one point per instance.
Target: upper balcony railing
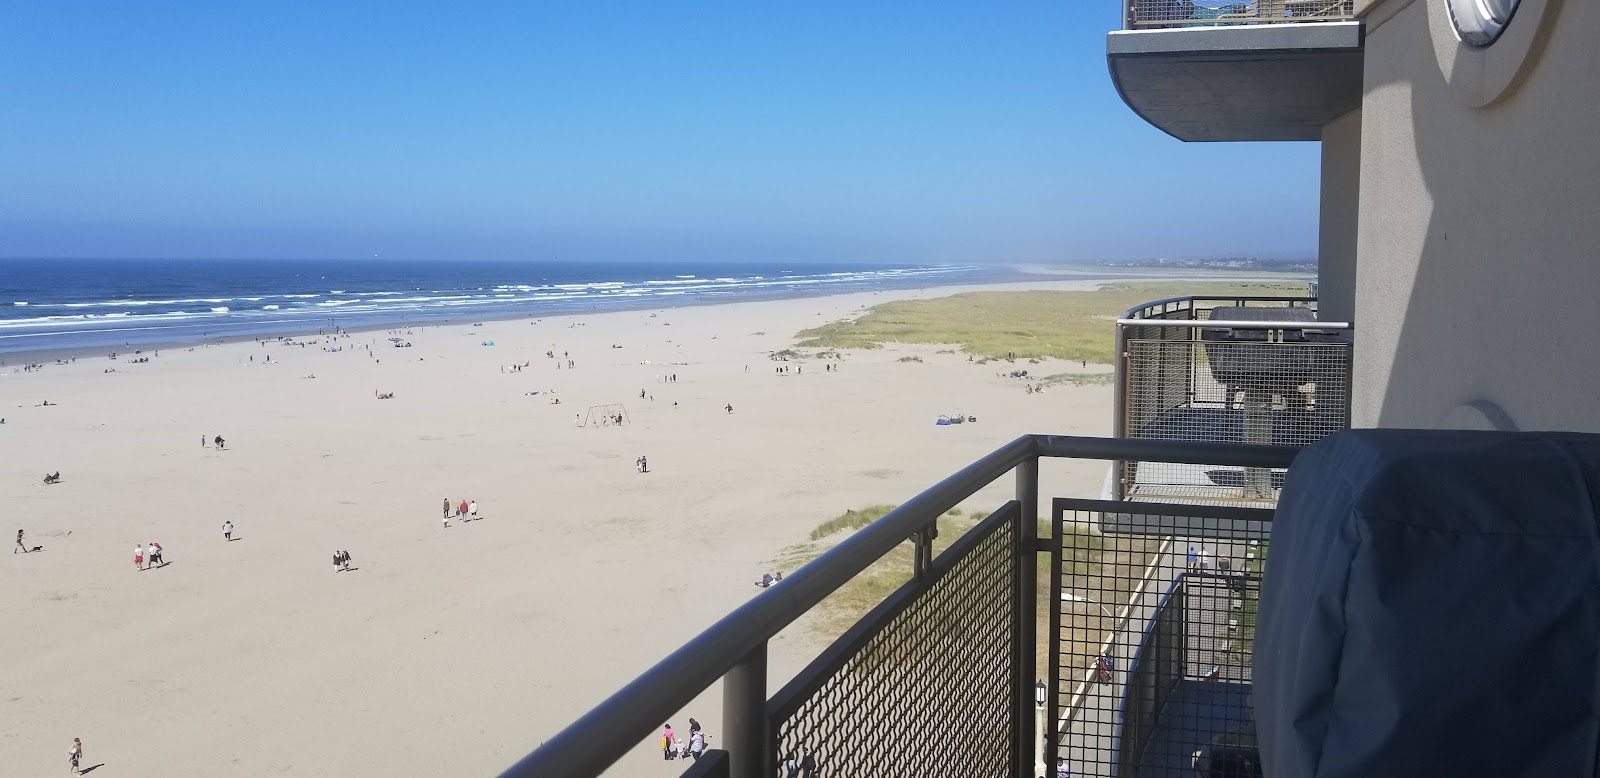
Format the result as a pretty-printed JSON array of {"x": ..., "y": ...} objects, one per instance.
[
  {"x": 1239, "y": 369},
  {"x": 1151, "y": 14},
  {"x": 1039, "y": 638}
]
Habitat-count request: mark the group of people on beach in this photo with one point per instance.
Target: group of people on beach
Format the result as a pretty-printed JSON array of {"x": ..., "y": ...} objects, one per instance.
[
  {"x": 691, "y": 747},
  {"x": 465, "y": 512},
  {"x": 146, "y": 558}
]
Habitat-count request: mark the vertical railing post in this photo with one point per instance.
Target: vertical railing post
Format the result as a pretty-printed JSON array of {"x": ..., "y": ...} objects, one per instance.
[
  {"x": 1119, "y": 405},
  {"x": 744, "y": 716},
  {"x": 1027, "y": 644}
]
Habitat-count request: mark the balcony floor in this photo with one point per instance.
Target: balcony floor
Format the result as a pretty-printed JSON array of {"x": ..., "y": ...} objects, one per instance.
[{"x": 1197, "y": 712}]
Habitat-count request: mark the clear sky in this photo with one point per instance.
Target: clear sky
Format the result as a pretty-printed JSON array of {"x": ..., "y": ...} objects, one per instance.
[{"x": 759, "y": 129}]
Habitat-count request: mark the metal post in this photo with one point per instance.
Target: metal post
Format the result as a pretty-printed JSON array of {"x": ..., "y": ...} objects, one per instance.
[
  {"x": 1027, "y": 614},
  {"x": 1119, "y": 405},
  {"x": 1257, "y": 429},
  {"x": 1039, "y": 766},
  {"x": 744, "y": 716}
]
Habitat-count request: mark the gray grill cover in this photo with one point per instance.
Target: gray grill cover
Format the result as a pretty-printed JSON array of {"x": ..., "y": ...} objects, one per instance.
[{"x": 1431, "y": 606}]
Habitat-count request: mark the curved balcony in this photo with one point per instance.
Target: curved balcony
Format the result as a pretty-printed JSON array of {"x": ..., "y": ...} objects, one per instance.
[
  {"x": 1227, "y": 370},
  {"x": 1278, "y": 70}
]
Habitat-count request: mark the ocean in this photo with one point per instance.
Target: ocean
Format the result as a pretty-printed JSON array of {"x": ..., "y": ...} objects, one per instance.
[{"x": 75, "y": 304}]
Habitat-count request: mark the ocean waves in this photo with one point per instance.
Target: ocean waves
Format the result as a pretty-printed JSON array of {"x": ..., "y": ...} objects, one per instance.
[{"x": 447, "y": 291}]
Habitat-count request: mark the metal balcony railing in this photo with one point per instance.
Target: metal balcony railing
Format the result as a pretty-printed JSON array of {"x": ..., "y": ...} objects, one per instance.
[
  {"x": 1238, "y": 369},
  {"x": 1152, "y": 14},
  {"x": 964, "y": 651}
]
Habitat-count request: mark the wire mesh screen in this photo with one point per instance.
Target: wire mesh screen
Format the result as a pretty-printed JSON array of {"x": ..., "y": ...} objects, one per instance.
[
  {"x": 939, "y": 652},
  {"x": 1151, "y": 634},
  {"x": 1284, "y": 391},
  {"x": 1179, "y": 13}
]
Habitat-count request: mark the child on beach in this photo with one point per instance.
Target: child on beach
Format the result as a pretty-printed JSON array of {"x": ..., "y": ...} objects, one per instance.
[
  {"x": 227, "y": 530},
  {"x": 138, "y": 557}
]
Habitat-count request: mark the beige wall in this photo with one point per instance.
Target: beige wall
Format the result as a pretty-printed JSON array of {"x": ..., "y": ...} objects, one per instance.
[
  {"x": 1478, "y": 272},
  {"x": 1336, "y": 239}
]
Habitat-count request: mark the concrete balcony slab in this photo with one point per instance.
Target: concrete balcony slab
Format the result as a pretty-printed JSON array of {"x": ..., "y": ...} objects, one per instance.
[{"x": 1267, "y": 82}]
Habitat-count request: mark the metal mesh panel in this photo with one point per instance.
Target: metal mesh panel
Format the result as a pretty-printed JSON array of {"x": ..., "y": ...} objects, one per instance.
[
  {"x": 1180, "y": 13},
  {"x": 1176, "y": 632},
  {"x": 939, "y": 652},
  {"x": 1282, "y": 391}
]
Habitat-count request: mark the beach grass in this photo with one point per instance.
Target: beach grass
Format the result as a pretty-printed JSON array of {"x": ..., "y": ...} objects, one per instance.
[
  {"x": 1107, "y": 566},
  {"x": 850, "y": 520},
  {"x": 1074, "y": 325},
  {"x": 1076, "y": 379}
]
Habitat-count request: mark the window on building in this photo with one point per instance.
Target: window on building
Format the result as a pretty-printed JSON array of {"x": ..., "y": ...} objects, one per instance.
[{"x": 1480, "y": 22}]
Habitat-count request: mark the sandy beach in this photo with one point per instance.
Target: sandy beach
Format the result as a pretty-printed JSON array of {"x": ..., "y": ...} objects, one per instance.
[{"x": 443, "y": 650}]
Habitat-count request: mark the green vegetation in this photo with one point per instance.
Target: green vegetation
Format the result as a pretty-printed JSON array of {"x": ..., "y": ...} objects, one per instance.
[
  {"x": 909, "y": 359},
  {"x": 850, "y": 520},
  {"x": 1076, "y": 379},
  {"x": 1033, "y": 325},
  {"x": 1106, "y": 567}
]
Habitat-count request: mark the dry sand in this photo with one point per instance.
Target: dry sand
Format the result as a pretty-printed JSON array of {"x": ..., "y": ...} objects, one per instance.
[{"x": 446, "y": 651}]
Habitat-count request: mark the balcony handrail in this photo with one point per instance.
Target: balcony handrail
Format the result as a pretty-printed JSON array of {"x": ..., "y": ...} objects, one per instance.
[
  {"x": 1257, "y": 12},
  {"x": 1135, "y": 311},
  {"x": 603, "y": 735},
  {"x": 1222, "y": 324}
]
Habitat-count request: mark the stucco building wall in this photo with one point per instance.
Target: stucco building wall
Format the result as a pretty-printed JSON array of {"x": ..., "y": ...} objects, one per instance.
[
  {"x": 1477, "y": 282},
  {"x": 1339, "y": 219}
]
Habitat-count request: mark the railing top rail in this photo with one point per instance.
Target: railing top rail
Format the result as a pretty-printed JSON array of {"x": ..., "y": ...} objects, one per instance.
[
  {"x": 597, "y": 740},
  {"x": 1134, "y": 312},
  {"x": 1221, "y": 324}
]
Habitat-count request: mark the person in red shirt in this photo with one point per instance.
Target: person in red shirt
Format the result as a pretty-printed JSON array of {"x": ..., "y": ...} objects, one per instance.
[{"x": 461, "y": 512}]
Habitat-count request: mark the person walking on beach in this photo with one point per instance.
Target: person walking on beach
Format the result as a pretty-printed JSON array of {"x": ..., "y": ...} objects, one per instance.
[
  {"x": 337, "y": 558},
  {"x": 75, "y": 755},
  {"x": 667, "y": 741},
  {"x": 447, "y": 510},
  {"x": 202, "y": 441},
  {"x": 461, "y": 511},
  {"x": 218, "y": 441},
  {"x": 138, "y": 557},
  {"x": 472, "y": 509},
  {"x": 155, "y": 554},
  {"x": 227, "y": 530},
  {"x": 20, "y": 545},
  {"x": 344, "y": 561}
]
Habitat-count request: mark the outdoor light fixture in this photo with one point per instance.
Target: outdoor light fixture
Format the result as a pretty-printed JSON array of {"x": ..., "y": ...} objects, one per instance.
[
  {"x": 1480, "y": 22},
  {"x": 1038, "y": 693}
]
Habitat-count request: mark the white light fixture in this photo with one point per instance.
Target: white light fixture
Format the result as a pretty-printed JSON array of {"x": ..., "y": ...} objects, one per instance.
[
  {"x": 1480, "y": 22},
  {"x": 1039, "y": 693}
]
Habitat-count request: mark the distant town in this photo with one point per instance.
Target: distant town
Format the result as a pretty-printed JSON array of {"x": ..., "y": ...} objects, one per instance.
[{"x": 1229, "y": 263}]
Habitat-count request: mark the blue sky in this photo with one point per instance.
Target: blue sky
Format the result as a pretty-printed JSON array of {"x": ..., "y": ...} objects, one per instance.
[{"x": 956, "y": 132}]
